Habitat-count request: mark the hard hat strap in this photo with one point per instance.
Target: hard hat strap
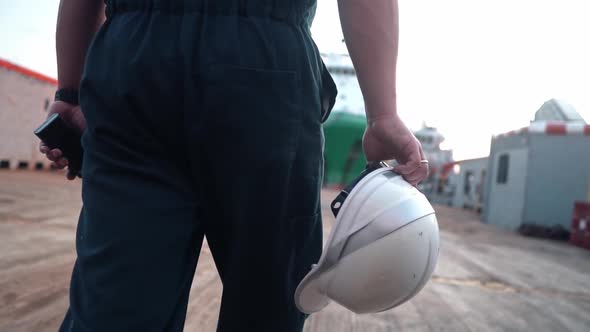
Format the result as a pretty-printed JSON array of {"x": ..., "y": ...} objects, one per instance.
[{"x": 339, "y": 200}]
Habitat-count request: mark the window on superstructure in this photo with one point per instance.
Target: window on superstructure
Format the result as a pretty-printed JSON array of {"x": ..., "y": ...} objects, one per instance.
[
  {"x": 502, "y": 169},
  {"x": 467, "y": 182}
]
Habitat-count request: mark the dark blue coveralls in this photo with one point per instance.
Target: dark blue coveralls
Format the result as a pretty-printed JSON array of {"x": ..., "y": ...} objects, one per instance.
[{"x": 204, "y": 119}]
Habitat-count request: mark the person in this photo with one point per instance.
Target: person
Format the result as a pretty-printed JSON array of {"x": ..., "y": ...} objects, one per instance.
[{"x": 204, "y": 118}]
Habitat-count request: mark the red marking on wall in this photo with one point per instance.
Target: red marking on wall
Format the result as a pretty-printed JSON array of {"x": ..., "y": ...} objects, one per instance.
[
  {"x": 446, "y": 170},
  {"x": 556, "y": 129},
  {"x": 27, "y": 72}
]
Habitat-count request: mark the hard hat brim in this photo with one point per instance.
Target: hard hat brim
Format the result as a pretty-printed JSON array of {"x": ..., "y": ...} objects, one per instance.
[{"x": 310, "y": 295}]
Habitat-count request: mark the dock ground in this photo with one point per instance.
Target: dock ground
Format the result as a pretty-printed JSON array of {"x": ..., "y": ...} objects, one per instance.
[{"x": 487, "y": 279}]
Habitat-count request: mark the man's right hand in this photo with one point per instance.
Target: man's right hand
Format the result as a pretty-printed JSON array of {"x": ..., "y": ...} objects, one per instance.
[
  {"x": 73, "y": 117},
  {"x": 388, "y": 138}
]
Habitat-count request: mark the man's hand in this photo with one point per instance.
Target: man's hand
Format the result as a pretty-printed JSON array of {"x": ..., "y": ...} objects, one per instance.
[
  {"x": 77, "y": 23},
  {"x": 388, "y": 138},
  {"x": 73, "y": 117},
  {"x": 371, "y": 33}
]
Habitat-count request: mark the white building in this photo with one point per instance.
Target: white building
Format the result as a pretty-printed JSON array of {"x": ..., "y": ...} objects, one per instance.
[
  {"x": 24, "y": 98},
  {"x": 463, "y": 183},
  {"x": 537, "y": 173}
]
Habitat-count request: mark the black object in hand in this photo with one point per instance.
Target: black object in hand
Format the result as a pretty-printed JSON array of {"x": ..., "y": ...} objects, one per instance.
[{"x": 57, "y": 135}]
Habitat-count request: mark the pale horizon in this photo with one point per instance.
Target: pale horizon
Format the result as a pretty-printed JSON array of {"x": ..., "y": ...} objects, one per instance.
[{"x": 471, "y": 69}]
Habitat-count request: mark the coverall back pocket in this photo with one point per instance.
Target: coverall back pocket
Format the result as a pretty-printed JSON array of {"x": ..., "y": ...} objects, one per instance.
[{"x": 252, "y": 113}]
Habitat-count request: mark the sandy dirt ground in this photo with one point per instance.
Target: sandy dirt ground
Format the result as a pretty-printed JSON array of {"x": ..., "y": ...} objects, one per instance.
[{"x": 486, "y": 280}]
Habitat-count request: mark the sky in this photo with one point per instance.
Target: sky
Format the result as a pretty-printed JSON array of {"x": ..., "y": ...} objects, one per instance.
[{"x": 471, "y": 68}]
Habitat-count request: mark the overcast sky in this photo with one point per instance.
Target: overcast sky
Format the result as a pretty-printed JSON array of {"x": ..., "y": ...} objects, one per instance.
[{"x": 472, "y": 68}]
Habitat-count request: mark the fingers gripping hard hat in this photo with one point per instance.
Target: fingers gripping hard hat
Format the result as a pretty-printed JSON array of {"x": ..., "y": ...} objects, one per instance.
[{"x": 382, "y": 248}]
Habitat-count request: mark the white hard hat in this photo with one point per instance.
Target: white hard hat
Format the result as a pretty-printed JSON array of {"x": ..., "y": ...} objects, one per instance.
[{"x": 381, "y": 251}]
